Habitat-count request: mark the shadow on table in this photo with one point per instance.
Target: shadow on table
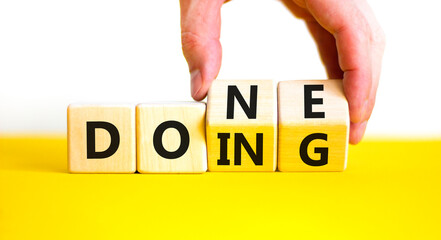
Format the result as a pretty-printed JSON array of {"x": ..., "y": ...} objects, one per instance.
[{"x": 42, "y": 153}]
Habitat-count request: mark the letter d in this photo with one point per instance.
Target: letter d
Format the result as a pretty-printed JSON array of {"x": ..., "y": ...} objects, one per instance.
[{"x": 114, "y": 140}]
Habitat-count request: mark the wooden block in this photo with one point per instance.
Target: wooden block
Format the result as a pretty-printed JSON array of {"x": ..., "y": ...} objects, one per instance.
[
  {"x": 101, "y": 138},
  {"x": 313, "y": 126},
  {"x": 171, "y": 138},
  {"x": 241, "y": 126}
]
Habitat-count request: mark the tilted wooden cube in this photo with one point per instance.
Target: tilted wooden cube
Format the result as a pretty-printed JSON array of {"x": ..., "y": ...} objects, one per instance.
[
  {"x": 101, "y": 138},
  {"x": 171, "y": 137},
  {"x": 241, "y": 126},
  {"x": 313, "y": 126}
]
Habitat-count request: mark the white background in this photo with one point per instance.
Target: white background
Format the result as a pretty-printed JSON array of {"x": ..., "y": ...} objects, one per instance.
[{"x": 53, "y": 53}]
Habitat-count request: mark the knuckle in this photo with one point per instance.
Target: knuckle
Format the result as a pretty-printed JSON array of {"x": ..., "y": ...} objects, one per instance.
[{"x": 191, "y": 40}]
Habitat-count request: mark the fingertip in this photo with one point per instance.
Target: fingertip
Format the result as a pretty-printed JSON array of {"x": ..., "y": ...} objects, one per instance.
[
  {"x": 200, "y": 84},
  {"x": 196, "y": 82},
  {"x": 199, "y": 97},
  {"x": 204, "y": 57},
  {"x": 357, "y": 131},
  {"x": 200, "y": 33}
]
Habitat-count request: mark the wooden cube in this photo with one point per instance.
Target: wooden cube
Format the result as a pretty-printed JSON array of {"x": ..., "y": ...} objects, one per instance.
[
  {"x": 171, "y": 137},
  {"x": 101, "y": 138},
  {"x": 241, "y": 126},
  {"x": 313, "y": 126}
]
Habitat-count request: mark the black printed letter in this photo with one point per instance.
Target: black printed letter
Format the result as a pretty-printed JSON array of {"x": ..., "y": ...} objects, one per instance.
[
  {"x": 251, "y": 110},
  {"x": 309, "y": 101},
  {"x": 157, "y": 139},
  {"x": 240, "y": 140},
  {"x": 323, "y": 151},
  {"x": 223, "y": 160},
  {"x": 114, "y": 140}
]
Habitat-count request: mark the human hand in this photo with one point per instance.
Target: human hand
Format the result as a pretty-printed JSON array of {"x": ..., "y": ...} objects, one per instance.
[{"x": 348, "y": 38}]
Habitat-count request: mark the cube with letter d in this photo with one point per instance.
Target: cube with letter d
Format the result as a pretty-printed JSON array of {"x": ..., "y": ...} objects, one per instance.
[
  {"x": 313, "y": 126},
  {"x": 241, "y": 125},
  {"x": 101, "y": 138}
]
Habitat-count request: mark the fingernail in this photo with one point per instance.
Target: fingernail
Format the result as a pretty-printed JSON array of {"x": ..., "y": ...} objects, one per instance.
[{"x": 196, "y": 82}]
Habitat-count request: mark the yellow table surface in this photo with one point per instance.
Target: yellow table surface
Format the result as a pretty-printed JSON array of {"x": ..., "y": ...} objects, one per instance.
[{"x": 390, "y": 190}]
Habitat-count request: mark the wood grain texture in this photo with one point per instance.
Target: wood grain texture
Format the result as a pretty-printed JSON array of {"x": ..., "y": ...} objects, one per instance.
[
  {"x": 294, "y": 127},
  {"x": 122, "y": 117},
  {"x": 189, "y": 114},
  {"x": 265, "y": 123}
]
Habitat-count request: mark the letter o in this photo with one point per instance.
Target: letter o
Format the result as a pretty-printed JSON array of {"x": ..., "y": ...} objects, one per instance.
[{"x": 157, "y": 139}]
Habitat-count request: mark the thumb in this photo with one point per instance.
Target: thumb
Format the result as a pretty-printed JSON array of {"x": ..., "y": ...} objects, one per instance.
[{"x": 200, "y": 32}]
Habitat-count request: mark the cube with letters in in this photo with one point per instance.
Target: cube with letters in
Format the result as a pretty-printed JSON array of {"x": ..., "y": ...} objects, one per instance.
[
  {"x": 171, "y": 137},
  {"x": 101, "y": 138},
  {"x": 313, "y": 126},
  {"x": 241, "y": 126}
]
